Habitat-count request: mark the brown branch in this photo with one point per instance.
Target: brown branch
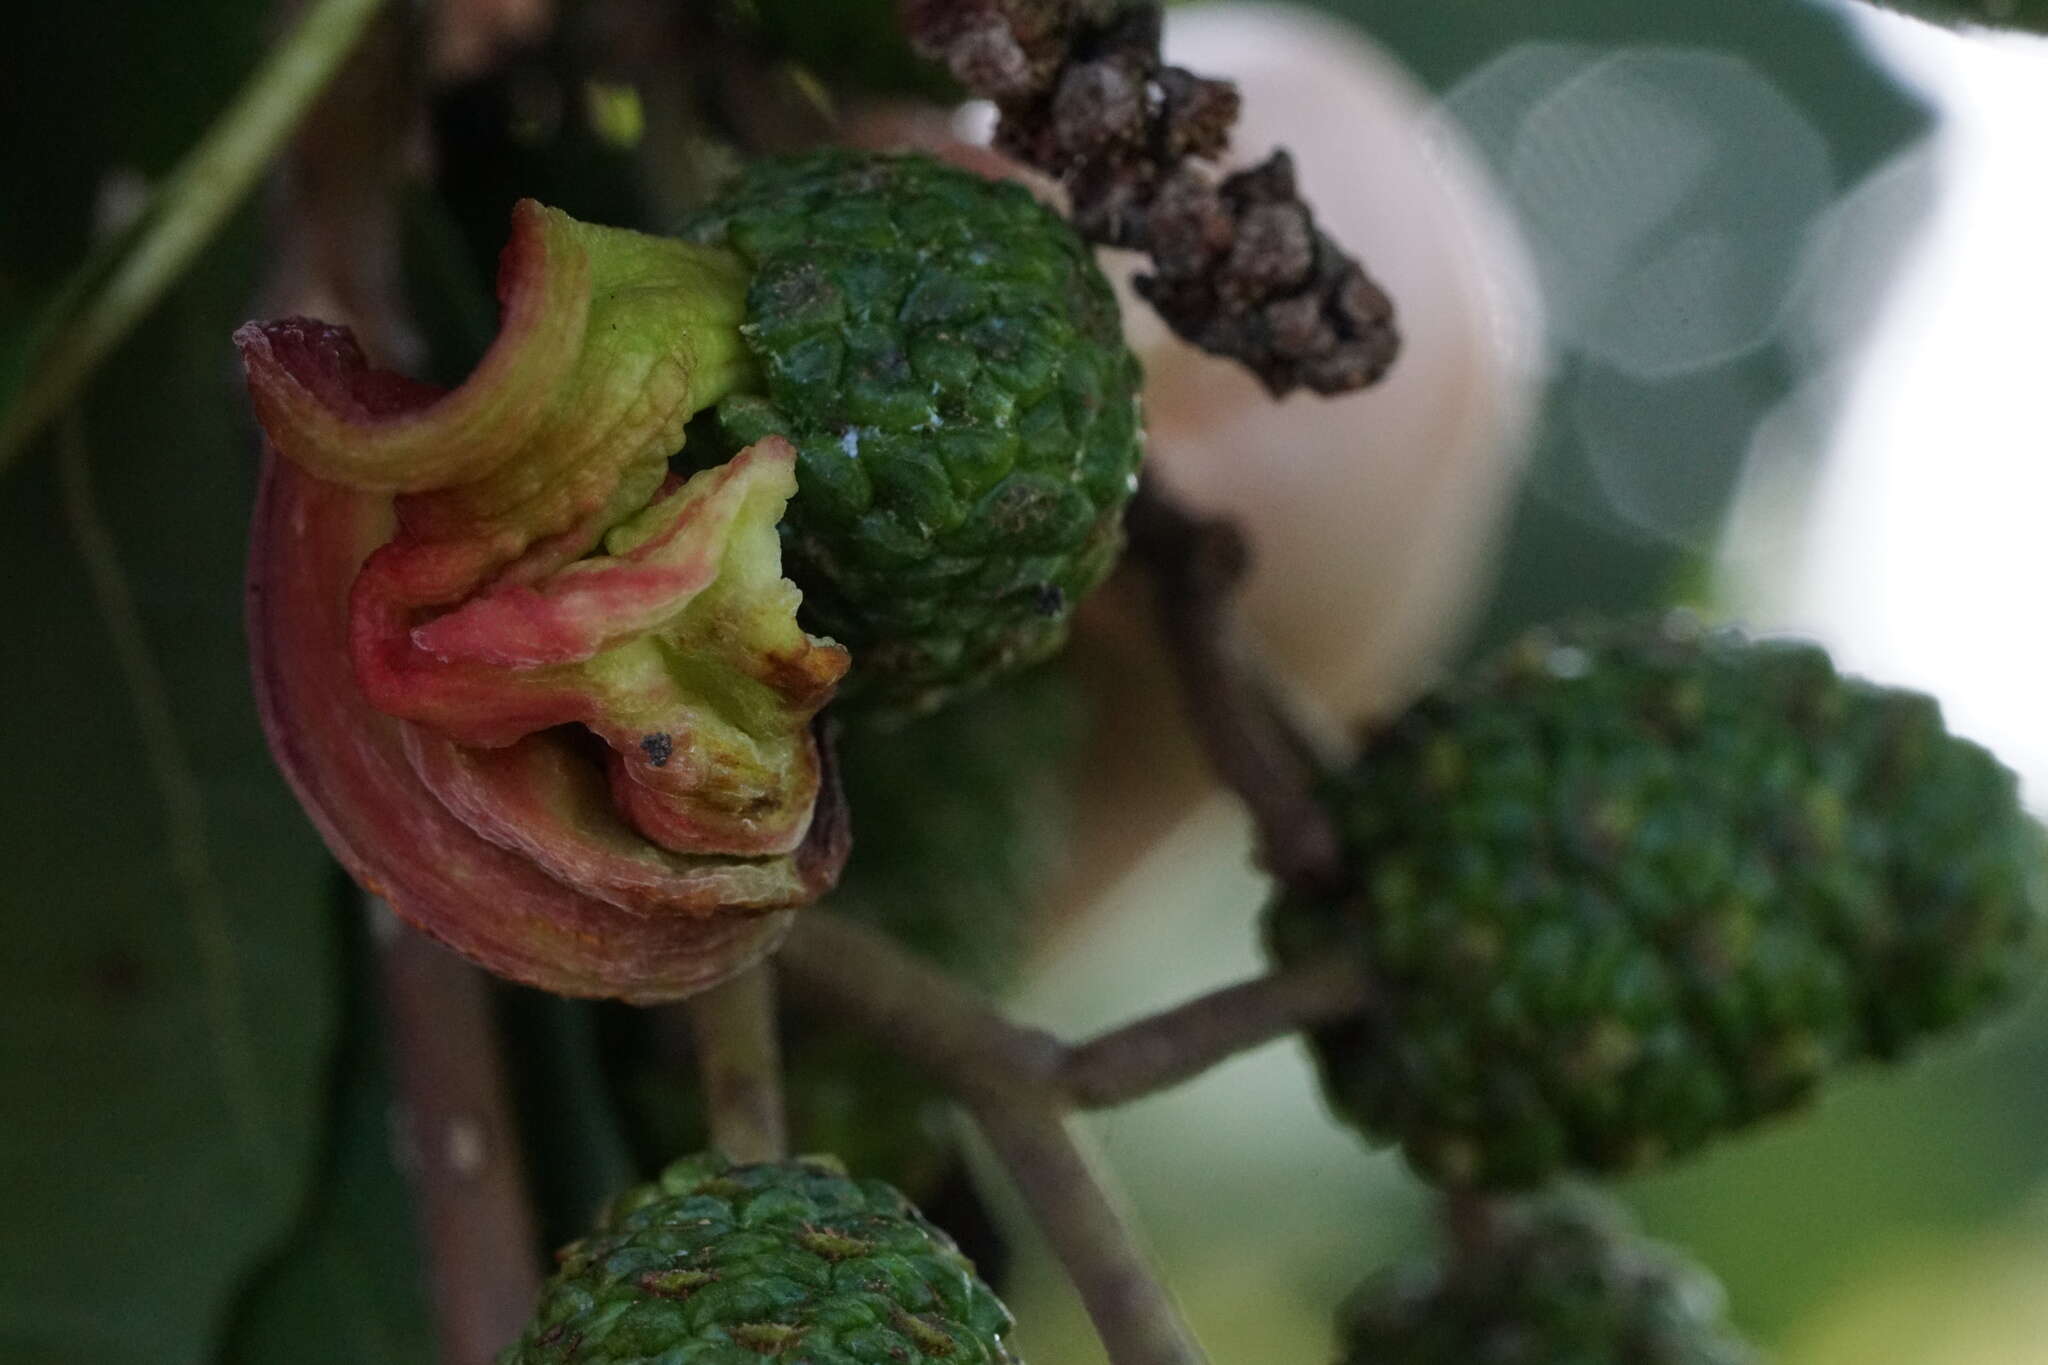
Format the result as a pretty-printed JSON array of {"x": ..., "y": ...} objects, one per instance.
[
  {"x": 1196, "y": 563},
  {"x": 459, "y": 1143},
  {"x": 1007, "y": 1077},
  {"x": 1241, "y": 269},
  {"x": 917, "y": 1010},
  {"x": 1135, "y": 1316},
  {"x": 334, "y": 197},
  {"x": 739, "y": 1060},
  {"x": 1165, "y": 1049},
  {"x": 1472, "y": 1222},
  {"x": 1019, "y": 1083}
]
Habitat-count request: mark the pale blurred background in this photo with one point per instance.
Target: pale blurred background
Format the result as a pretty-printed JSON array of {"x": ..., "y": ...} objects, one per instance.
[{"x": 1600, "y": 238}]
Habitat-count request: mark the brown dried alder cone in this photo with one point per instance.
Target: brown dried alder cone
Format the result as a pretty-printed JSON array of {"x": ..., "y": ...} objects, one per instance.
[{"x": 1240, "y": 267}]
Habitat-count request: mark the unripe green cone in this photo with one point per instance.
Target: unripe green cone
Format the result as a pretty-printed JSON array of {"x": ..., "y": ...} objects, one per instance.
[
  {"x": 723, "y": 1264},
  {"x": 1558, "y": 1285},
  {"x": 950, "y": 364},
  {"x": 1627, "y": 886}
]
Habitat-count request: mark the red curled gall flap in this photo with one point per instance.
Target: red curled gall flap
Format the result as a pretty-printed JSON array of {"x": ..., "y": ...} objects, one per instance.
[{"x": 548, "y": 700}]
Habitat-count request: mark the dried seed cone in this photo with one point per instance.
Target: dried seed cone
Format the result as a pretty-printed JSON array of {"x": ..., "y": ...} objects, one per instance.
[
  {"x": 723, "y": 1264},
  {"x": 1627, "y": 886},
  {"x": 950, "y": 364},
  {"x": 1559, "y": 1284}
]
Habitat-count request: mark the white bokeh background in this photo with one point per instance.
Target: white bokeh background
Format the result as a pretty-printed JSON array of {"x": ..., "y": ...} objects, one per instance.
[{"x": 1920, "y": 553}]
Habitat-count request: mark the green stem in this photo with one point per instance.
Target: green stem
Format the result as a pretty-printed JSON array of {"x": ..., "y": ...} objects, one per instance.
[{"x": 189, "y": 208}]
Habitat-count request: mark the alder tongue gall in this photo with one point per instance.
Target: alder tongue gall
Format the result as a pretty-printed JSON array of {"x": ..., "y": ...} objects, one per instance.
[{"x": 546, "y": 697}]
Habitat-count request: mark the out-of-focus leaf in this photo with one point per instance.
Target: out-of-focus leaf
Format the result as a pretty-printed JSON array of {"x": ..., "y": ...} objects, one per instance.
[
  {"x": 169, "y": 1004},
  {"x": 577, "y": 1156},
  {"x": 447, "y": 288},
  {"x": 956, "y": 816},
  {"x": 2031, "y": 14},
  {"x": 1937, "y": 1149},
  {"x": 177, "y": 65},
  {"x": 521, "y": 132},
  {"x": 347, "y": 1288},
  {"x": 1938, "y": 1300},
  {"x": 850, "y": 44}
]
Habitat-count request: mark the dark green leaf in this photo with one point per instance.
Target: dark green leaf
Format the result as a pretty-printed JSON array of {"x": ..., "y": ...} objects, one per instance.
[
  {"x": 577, "y": 1157},
  {"x": 169, "y": 1005},
  {"x": 347, "y": 1288},
  {"x": 955, "y": 815}
]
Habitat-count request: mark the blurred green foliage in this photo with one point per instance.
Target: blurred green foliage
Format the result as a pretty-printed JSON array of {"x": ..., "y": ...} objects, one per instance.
[
  {"x": 963, "y": 818},
  {"x": 171, "y": 997},
  {"x": 345, "y": 1288},
  {"x": 849, "y": 44}
]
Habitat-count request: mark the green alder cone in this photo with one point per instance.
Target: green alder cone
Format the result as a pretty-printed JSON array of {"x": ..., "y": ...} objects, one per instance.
[
  {"x": 1627, "y": 886},
  {"x": 950, "y": 365},
  {"x": 723, "y": 1264},
  {"x": 1559, "y": 1285}
]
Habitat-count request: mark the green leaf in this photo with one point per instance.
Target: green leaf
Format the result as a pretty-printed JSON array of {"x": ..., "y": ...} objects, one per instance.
[
  {"x": 957, "y": 817},
  {"x": 169, "y": 1004},
  {"x": 577, "y": 1156},
  {"x": 347, "y": 1289}
]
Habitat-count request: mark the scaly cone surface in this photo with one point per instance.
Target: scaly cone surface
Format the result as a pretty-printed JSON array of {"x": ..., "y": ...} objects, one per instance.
[
  {"x": 546, "y": 698},
  {"x": 723, "y": 1264},
  {"x": 1626, "y": 886},
  {"x": 950, "y": 364}
]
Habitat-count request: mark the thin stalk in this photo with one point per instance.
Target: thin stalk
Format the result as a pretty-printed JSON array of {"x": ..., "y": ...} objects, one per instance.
[
  {"x": 739, "y": 1059},
  {"x": 912, "y": 1007},
  {"x": 189, "y": 208},
  {"x": 462, "y": 1151},
  {"x": 1020, "y": 1084},
  {"x": 1137, "y": 1319},
  {"x": 1197, "y": 563},
  {"x": 1179, "y": 1044}
]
